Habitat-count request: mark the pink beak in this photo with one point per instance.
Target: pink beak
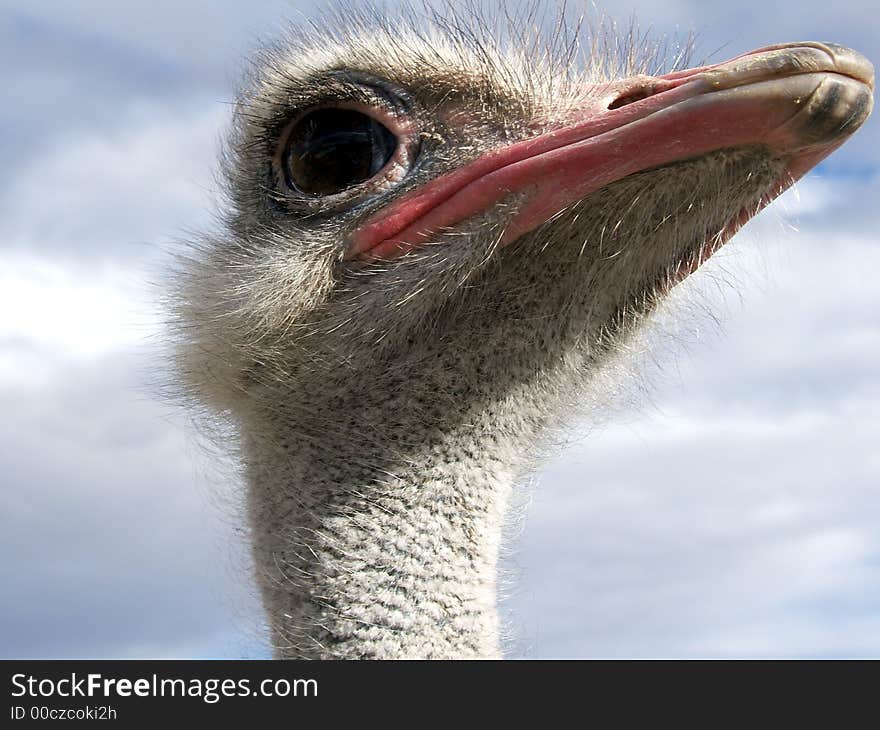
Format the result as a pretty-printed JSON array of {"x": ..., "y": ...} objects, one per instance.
[{"x": 801, "y": 101}]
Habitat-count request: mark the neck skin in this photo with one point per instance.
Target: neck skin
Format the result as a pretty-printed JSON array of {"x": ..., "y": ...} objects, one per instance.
[
  {"x": 377, "y": 536},
  {"x": 379, "y": 478}
]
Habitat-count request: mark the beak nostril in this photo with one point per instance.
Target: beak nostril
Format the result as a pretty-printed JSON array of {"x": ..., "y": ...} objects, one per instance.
[{"x": 632, "y": 95}]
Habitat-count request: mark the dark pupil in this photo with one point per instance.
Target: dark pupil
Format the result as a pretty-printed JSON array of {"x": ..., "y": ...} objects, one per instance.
[{"x": 332, "y": 149}]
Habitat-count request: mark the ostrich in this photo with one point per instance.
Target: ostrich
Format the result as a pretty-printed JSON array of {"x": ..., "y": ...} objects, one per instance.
[{"x": 435, "y": 240}]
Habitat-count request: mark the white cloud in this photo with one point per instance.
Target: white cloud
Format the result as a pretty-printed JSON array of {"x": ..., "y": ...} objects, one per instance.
[
  {"x": 734, "y": 515},
  {"x": 86, "y": 228},
  {"x": 121, "y": 538},
  {"x": 209, "y": 35},
  {"x": 116, "y": 192},
  {"x": 77, "y": 315}
]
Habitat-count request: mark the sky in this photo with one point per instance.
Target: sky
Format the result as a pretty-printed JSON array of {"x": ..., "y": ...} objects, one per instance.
[{"x": 729, "y": 507}]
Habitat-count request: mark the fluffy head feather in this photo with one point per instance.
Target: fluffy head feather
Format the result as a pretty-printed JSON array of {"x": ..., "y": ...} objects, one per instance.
[{"x": 273, "y": 303}]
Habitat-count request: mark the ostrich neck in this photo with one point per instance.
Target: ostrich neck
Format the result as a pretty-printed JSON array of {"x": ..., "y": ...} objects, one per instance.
[{"x": 377, "y": 516}]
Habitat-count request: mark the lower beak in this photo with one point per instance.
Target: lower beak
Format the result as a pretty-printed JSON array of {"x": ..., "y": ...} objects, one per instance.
[{"x": 800, "y": 101}]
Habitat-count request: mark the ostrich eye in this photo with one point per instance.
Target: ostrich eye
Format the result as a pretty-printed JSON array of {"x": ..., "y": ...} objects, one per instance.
[{"x": 332, "y": 149}]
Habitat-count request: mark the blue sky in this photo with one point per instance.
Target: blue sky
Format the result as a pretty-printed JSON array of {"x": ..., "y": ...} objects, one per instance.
[{"x": 728, "y": 506}]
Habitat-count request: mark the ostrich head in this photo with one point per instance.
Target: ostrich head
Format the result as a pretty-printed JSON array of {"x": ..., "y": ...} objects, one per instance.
[{"x": 433, "y": 239}]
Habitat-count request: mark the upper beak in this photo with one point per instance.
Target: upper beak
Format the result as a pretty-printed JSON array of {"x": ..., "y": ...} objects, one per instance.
[{"x": 801, "y": 101}]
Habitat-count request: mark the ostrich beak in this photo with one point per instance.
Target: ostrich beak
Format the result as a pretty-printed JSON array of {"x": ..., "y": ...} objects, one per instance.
[{"x": 801, "y": 101}]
